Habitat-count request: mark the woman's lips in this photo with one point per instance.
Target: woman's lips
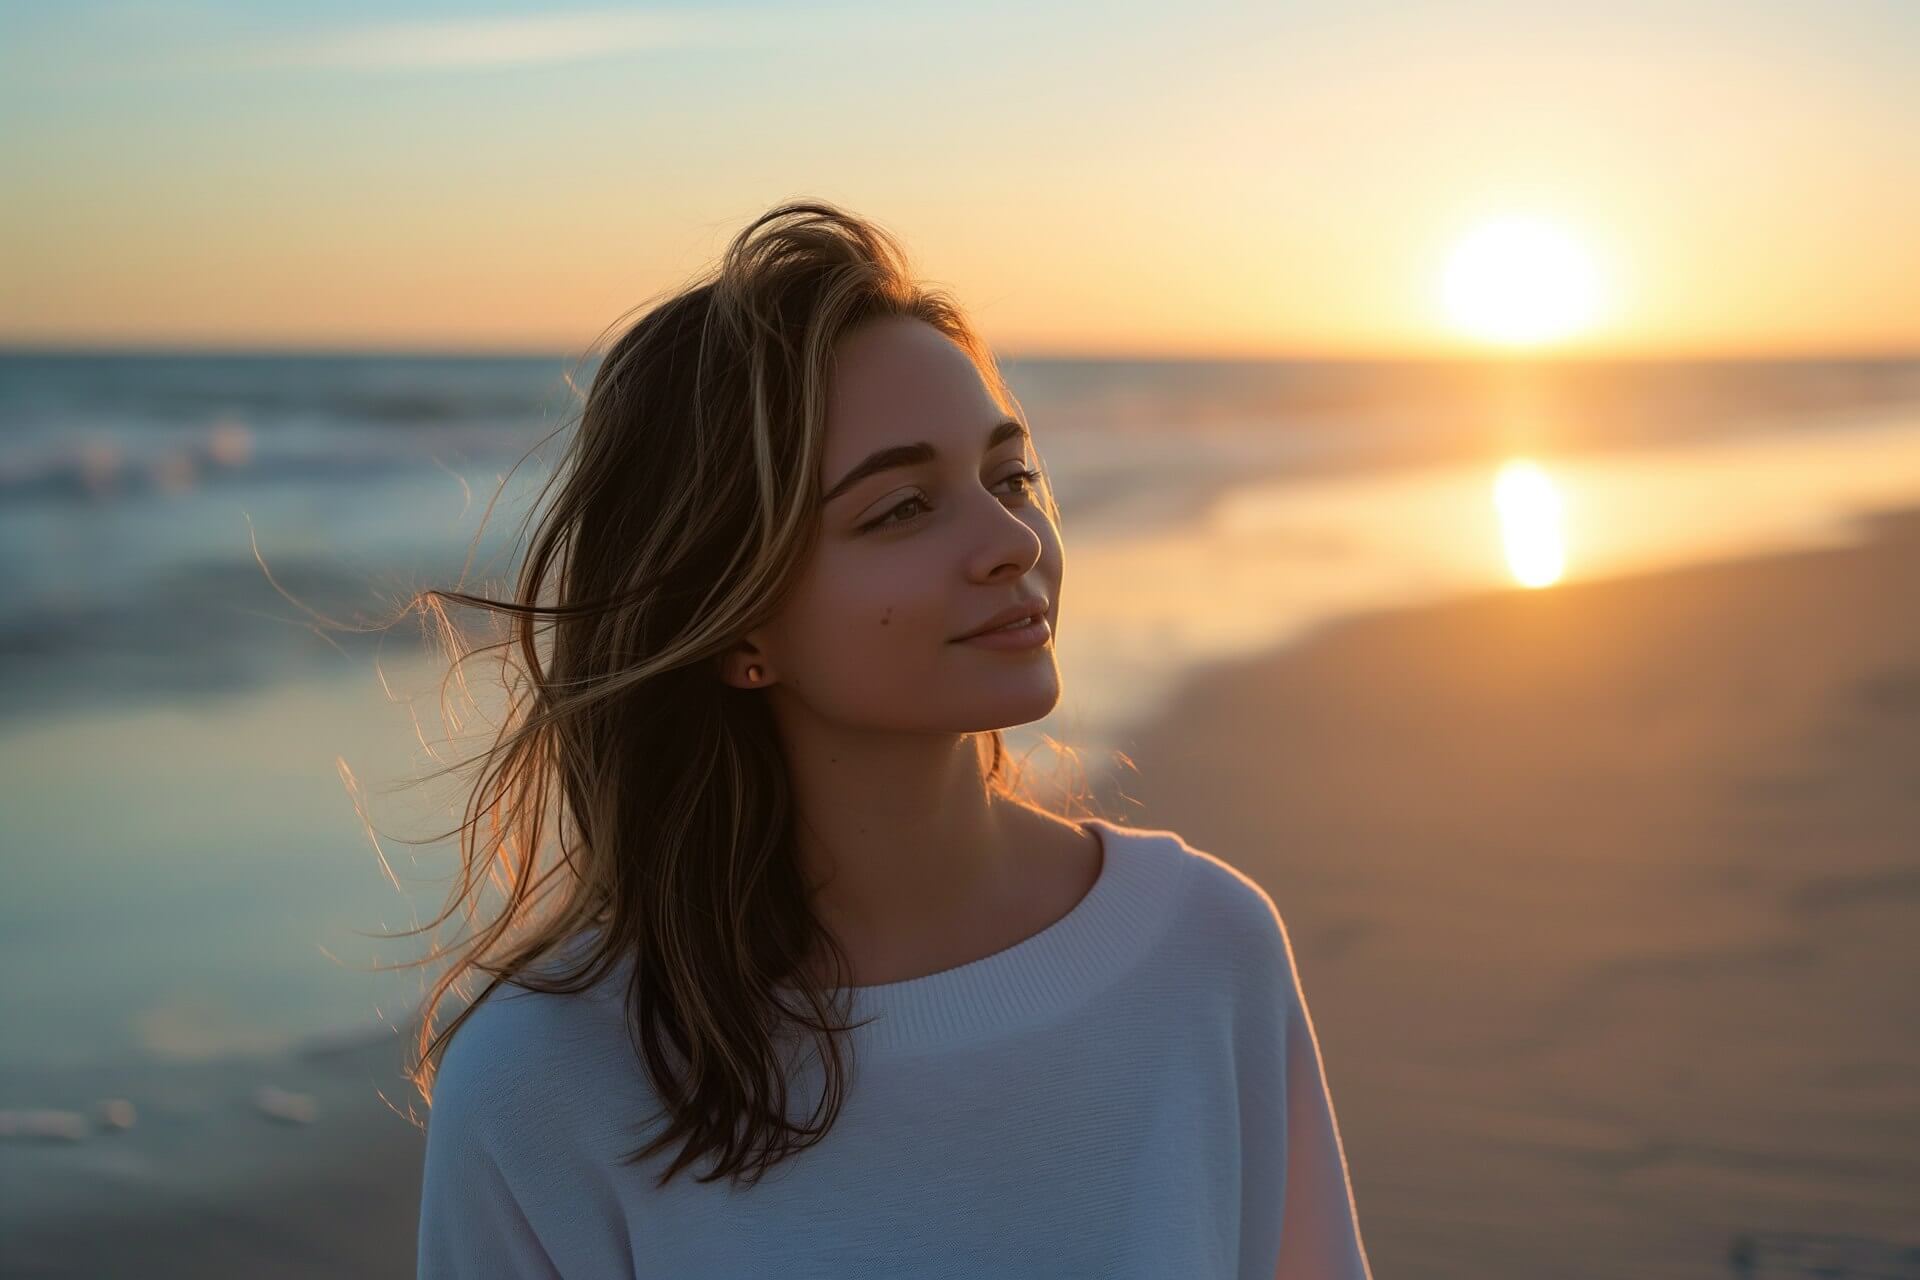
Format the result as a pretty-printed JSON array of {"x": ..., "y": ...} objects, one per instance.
[{"x": 1031, "y": 636}]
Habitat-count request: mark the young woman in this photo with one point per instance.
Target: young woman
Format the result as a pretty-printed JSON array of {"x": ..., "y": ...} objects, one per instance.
[{"x": 798, "y": 924}]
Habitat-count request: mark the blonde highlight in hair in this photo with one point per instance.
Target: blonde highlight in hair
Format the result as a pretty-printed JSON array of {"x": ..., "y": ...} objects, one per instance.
[{"x": 632, "y": 798}]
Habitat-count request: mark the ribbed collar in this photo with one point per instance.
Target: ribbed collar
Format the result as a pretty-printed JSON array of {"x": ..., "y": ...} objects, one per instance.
[
  {"x": 1046, "y": 974},
  {"x": 1143, "y": 876}
]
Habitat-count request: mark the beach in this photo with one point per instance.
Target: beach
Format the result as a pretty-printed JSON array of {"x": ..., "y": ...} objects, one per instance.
[
  {"x": 1606, "y": 901},
  {"x": 1491, "y": 527},
  {"x": 1604, "y": 898}
]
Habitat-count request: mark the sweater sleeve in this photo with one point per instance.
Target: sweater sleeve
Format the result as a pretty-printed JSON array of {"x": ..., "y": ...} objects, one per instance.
[
  {"x": 470, "y": 1223},
  {"x": 1319, "y": 1233}
]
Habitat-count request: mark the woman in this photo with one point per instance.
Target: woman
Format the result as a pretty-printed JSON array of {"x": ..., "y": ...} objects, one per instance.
[{"x": 805, "y": 568}]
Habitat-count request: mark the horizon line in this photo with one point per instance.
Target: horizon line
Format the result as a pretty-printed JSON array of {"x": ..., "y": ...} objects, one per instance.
[{"x": 1355, "y": 355}]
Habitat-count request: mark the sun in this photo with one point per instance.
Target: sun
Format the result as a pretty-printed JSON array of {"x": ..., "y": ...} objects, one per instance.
[{"x": 1519, "y": 280}]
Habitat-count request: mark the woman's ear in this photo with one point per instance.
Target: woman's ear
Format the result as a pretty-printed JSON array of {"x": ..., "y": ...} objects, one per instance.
[{"x": 744, "y": 667}]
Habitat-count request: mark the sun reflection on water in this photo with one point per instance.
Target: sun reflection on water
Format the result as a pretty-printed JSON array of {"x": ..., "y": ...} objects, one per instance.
[{"x": 1530, "y": 526}]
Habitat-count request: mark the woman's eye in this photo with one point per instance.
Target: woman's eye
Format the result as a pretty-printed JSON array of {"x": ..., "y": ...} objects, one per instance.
[
  {"x": 888, "y": 519},
  {"x": 1027, "y": 476}
]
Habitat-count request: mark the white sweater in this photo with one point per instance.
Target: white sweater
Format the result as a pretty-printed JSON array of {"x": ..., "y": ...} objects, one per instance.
[{"x": 1134, "y": 1091}]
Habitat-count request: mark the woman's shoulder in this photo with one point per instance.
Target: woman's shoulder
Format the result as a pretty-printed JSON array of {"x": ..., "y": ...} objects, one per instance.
[
  {"x": 515, "y": 1044},
  {"x": 1217, "y": 895}
]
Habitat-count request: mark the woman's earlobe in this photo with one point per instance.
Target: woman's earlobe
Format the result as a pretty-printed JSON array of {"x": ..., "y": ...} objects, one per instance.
[{"x": 752, "y": 676}]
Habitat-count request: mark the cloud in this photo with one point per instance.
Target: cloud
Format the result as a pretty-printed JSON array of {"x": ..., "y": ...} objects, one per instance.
[
  {"x": 189, "y": 42},
  {"x": 531, "y": 40}
]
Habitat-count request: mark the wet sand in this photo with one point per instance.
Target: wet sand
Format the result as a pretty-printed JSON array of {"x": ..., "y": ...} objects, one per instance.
[
  {"x": 207, "y": 1183},
  {"x": 1606, "y": 899}
]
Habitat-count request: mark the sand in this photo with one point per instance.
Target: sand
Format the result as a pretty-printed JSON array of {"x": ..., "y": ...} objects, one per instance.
[
  {"x": 1606, "y": 899},
  {"x": 206, "y": 1183}
]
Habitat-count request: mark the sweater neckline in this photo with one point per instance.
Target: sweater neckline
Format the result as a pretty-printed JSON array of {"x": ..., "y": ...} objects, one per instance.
[
  {"x": 1046, "y": 973},
  {"x": 1114, "y": 926}
]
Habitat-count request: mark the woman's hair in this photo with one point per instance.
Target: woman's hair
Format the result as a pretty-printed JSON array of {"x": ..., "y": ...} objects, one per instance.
[{"x": 632, "y": 799}]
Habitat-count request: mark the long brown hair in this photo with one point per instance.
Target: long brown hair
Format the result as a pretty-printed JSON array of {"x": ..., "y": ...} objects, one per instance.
[{"x": 683, "y": 508}]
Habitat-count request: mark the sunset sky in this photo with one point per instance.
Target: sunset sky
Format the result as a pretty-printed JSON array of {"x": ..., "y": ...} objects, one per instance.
[{"x": 1198, "y": 179}]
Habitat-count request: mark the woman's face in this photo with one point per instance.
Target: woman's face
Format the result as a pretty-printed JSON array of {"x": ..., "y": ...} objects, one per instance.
[{"x": 910, "y": 557}]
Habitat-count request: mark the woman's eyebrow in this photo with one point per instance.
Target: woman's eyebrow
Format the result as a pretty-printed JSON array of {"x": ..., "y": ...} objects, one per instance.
[{"x": 912, "y": 455}]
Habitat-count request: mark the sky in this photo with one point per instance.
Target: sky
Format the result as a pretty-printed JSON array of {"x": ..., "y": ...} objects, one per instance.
[{"x": 1199, "y": 179}]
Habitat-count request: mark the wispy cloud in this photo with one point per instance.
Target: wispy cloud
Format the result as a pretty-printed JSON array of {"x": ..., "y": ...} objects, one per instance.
[
  {"x": 188, "y": 40},
  {"x": 531, "y": 40}
]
